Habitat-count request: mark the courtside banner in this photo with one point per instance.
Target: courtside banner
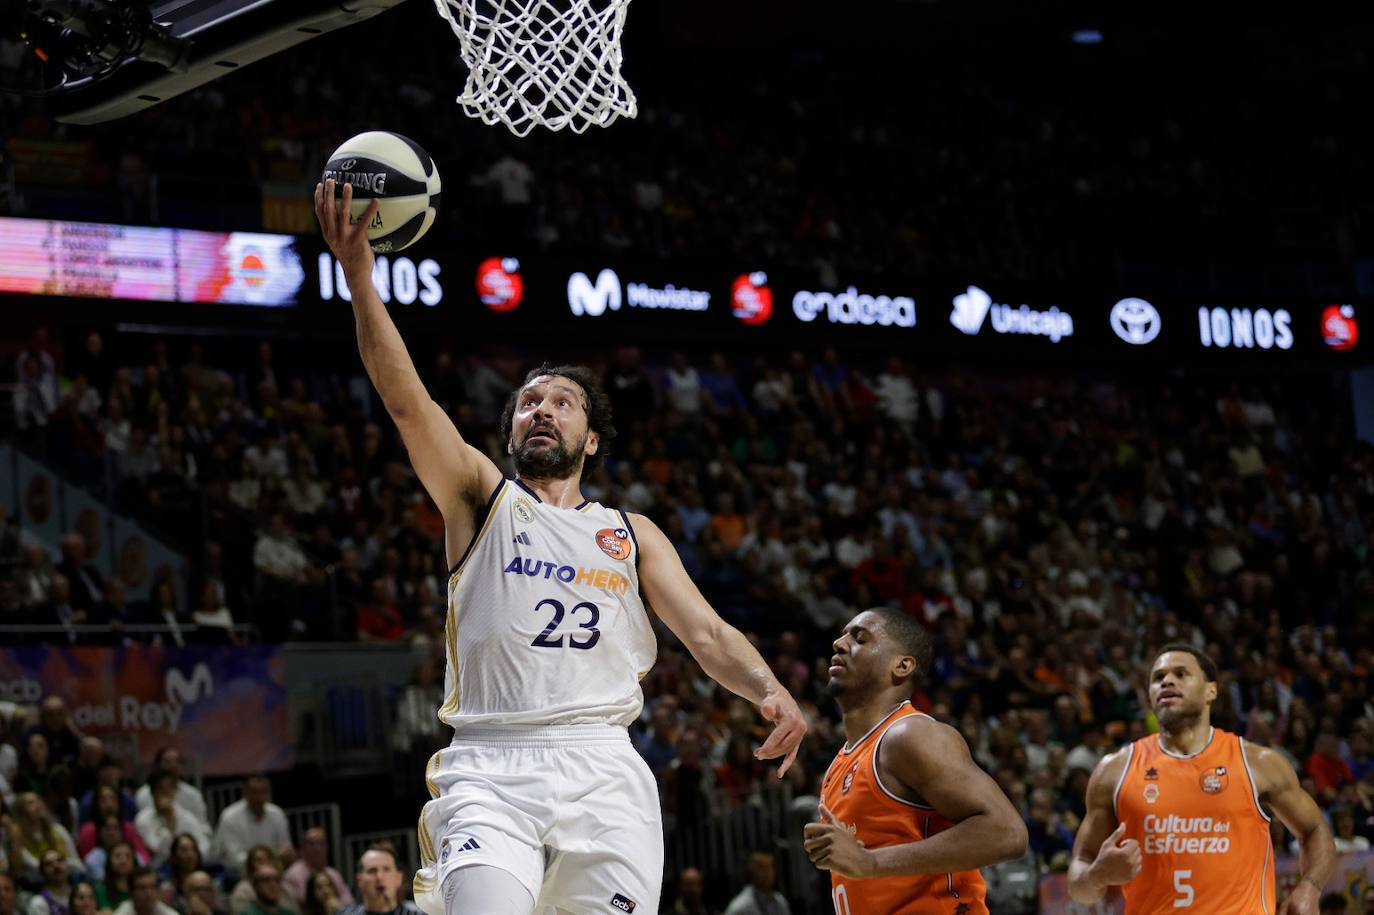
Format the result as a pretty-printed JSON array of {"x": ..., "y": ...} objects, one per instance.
[{"x": 224, "y": 707}]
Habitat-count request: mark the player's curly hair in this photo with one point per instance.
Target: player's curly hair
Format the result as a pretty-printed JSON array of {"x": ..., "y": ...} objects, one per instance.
[{"x": 597, "y": 405}]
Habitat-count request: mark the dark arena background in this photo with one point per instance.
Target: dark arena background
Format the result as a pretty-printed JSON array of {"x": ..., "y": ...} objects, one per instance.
[{"x": 1050, "y": 327}]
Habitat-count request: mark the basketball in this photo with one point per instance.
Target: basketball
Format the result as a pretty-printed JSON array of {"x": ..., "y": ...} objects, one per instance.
[{"x": 396, "y": 171}]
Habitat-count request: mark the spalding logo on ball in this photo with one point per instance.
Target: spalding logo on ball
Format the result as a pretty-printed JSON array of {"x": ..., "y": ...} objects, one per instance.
[{"x": 396, "y": 171}]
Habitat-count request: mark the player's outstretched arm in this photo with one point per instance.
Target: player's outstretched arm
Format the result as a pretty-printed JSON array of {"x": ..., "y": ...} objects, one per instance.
[
  {"x": 1278, "y": 786},
  {"x": 456, "y": 475},
  {"x": 721, "y": 650},
  {"x": 932, "y": 760},
  {"x": 1102, "y": 857}
]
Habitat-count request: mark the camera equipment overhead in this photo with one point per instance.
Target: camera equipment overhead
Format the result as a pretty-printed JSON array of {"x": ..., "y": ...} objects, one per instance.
[{"x": 105, "y": 59}]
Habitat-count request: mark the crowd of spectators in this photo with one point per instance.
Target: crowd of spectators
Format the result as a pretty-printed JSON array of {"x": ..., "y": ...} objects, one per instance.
[
  {"x": 1049, "y": 532},
  {"x": 1031, "y": 160},
  {"x": 77, "y": 839}
]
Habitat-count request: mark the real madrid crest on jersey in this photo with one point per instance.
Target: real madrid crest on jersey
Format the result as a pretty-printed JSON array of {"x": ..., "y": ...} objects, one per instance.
[
  {"x": 1214, "y": 781},
  {"x": 522, "y": 511},
  {"x": 614, "y": 542}
]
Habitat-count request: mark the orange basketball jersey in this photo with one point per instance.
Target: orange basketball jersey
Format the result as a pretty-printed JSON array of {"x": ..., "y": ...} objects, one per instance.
[
  {"x": 878, "y": 818},
  {"x": 1204, "y": 839}
]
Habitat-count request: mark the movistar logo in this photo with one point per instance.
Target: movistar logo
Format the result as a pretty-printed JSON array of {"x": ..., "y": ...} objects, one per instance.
[{"x": 594, "y": 301}]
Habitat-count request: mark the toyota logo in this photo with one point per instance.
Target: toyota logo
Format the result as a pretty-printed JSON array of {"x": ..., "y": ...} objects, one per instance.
[{"x": 1136, "y": 321}]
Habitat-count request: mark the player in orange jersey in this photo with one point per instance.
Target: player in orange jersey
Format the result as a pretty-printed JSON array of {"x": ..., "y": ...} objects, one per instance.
[
  {"x": 907, "y": 817},
  {"x": 1178, "y": 819}
]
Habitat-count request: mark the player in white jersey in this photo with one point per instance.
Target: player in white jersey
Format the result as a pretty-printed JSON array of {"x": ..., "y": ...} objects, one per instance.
[{"x": 541, "y": 803}]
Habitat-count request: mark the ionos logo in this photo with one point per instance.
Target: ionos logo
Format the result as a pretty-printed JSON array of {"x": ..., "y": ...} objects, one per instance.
[
  {"x": 1245, "y": 328},
  {"x": 1339, "y": 330},
  {"x": 499, "y": 284},
  {"x": 1136, "y": 321},
  {"x": 400, "y": 279},
  {"x": 594, "y": 301},
  {"x": 854, "y": 307},
  {"x": 971, "y": 308},
  {"x": 750, "y": 298}
]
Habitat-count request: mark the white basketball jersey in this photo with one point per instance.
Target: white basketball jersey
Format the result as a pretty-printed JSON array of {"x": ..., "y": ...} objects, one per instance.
[{"x": 545, "y": 621}]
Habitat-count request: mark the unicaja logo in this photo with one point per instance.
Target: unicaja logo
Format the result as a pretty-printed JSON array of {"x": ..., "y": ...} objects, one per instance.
[
  {"x": 593, "y": 301},
  {"x": 970, "y": 310},
  {"x": 1136, "y": 321}
]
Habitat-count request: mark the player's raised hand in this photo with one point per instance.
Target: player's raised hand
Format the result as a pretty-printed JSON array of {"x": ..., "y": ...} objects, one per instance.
[
  {"x": 831, "y": 846},
  {"x": 346, "y": 238},
  {"x": 789, "y": 727},
  {"x": 1118, "y": 860}
]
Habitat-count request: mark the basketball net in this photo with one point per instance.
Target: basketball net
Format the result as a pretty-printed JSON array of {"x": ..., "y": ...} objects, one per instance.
[{"x": 541, "y": 63}]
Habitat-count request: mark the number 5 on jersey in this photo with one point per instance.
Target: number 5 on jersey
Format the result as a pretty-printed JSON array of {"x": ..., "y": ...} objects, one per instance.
[
  {"x": 542, "y": 640},
  {"x": 1184, "y": 890}
]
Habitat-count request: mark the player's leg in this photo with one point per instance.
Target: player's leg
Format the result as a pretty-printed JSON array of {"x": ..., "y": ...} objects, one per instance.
[
  {"x": 484, "y": 890},
  {"x": 487, "y": 813},
  {"x": 607, "y": 847}
]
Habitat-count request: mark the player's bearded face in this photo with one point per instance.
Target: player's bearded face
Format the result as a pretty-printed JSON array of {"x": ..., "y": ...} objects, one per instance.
[
  {"x": 544, "y": 454},
  {"x": 1178, "y": 698}
]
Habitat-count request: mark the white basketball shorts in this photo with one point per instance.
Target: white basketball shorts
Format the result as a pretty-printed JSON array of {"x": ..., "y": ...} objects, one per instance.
[{"x": 571, "y": 811}]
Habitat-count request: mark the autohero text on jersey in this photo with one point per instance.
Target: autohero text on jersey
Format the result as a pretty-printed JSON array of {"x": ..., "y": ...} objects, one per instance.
[{"x": 600, "y": 579}]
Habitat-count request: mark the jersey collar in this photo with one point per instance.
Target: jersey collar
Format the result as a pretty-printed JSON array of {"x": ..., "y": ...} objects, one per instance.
[
  {"x": 1211, "y": 732},
  {"x": 850, "y": 748}
]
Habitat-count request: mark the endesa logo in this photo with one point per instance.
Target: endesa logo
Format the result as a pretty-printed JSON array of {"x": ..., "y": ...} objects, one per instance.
[
  {"x": 854, "y": 307},
  {"x": 593, "y": 300},
  {"x": 971, "y": 309},
  {"x": 1245, "y": 328},
  {"x": 499, "y": 284},
  {"x": 750, "y": 298},
  {"x": 1339, "y": 330},
  {"x": 397, "y": 279}
]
